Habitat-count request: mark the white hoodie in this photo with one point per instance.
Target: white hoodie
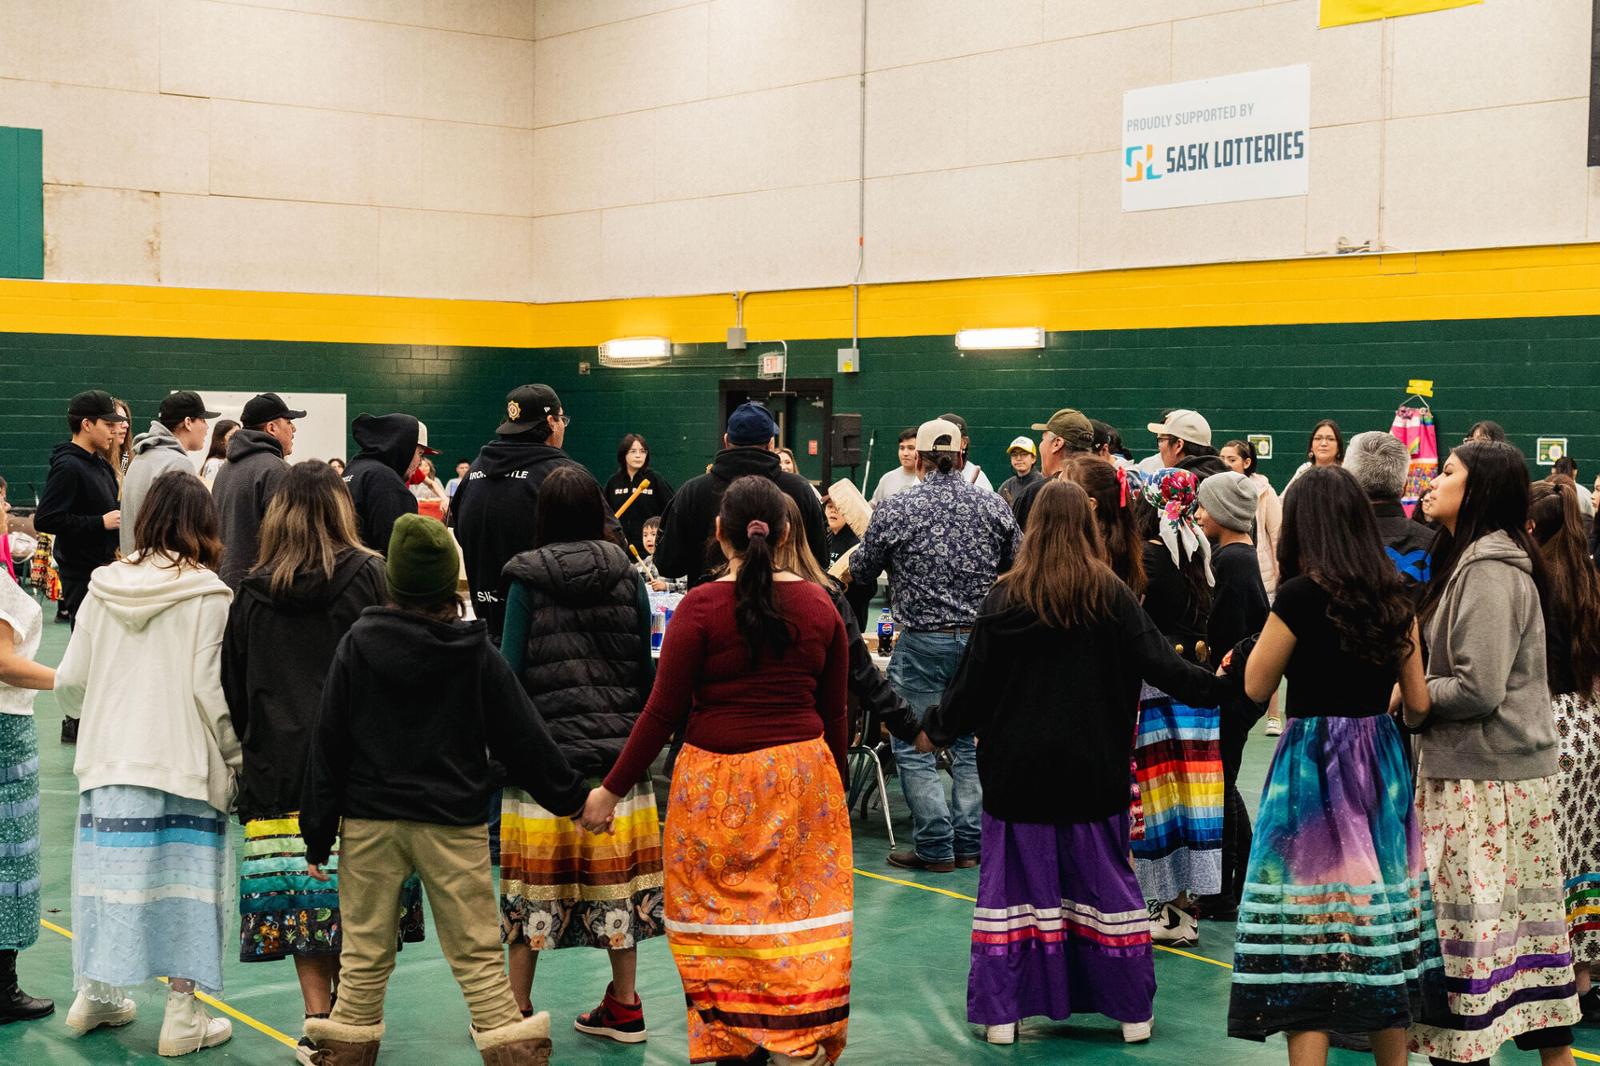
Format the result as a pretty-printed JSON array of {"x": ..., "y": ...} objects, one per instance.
[{"x": 143, "y": 671}]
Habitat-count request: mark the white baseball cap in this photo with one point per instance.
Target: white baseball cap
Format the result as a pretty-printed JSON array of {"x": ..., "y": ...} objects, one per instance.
[
  {"x": 1023, "y": 444},
  {"x": 1185, "y": 425},
  {"x": 930, "y": 433},
  {"x": 422, "y": 439}
]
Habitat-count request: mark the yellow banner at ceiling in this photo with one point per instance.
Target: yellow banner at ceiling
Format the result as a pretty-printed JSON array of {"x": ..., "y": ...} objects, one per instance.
[{"x": 1345, "y": 12}]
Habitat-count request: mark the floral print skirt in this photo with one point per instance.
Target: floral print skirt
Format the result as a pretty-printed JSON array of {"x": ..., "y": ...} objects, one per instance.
[
  {"x": 283, "y": 911},
  {"x": 19, "y": 832},
  {"x": 561, "y": 887},
  {"x": 1494, "y": 851},
  {"x": 1578, "y": 810}
]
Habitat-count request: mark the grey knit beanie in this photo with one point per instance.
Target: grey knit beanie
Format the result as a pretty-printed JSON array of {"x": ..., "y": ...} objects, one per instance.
[{"x": 1231, "y": 499}]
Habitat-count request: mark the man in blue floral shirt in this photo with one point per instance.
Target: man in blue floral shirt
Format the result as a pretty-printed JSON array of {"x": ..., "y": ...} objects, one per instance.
[{"x": 943, "y": 542}]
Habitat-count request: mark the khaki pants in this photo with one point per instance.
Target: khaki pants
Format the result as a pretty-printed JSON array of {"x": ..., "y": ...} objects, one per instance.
[{"x": 375, "y": 857}]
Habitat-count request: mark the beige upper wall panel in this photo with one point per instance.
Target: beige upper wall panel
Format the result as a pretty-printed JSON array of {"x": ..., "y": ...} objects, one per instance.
[
  {"x": 227, "y": 243},
  {"x": 496, "y": 18},
  {"x": 102, "y": 235},
  {"x": 624, "y": 66},
  {"x": 454, "y": 256},
  {"x": 1491, "y": 54},
  {"x": 901, "y": 32},
  {"x": 1346, "y": 62},
  {"x": 554, "y": 17},
  {"x": 115, "y": 44},
  {"x": 761, "y": 44},
  {"x": 1075, "y": 18},
  {"x": 604, "y": 162}
]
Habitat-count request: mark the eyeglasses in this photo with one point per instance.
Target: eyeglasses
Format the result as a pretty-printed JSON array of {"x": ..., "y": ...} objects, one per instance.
[{"x": 566, "y": 420}]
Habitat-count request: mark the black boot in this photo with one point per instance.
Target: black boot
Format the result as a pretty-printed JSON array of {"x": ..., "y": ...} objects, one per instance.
[{"x": 15, "y": 1004}]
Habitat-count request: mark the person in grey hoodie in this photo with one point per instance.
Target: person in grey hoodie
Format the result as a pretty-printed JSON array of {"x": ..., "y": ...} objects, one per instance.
[
  {"x": 257, "y": 463},
  {"x": 1488, "y": 764},
  {"x": 180, "y": 428}
]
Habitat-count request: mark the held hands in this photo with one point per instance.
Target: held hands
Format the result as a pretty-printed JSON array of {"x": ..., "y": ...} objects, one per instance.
[
  {"x": 598, "y": 811},
  {"x": 112, "y": 520},
  {"x": 924, "y": 745},
  {"x": 315, "y": 872}
]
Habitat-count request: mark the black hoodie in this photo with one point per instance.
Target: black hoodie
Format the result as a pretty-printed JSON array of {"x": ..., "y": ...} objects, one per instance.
[
  {"x": 1055, "y": 709},
  {"x": 377, "y": 475},
  {"x": 80, "y": 488},
  {"x": 244, "y": 487},
  {"x": 413, "y": 711},
  {"x": 495, "y": 512},
  {"x": 275, "y": 694},
  {"x": 686, "y": 545}
]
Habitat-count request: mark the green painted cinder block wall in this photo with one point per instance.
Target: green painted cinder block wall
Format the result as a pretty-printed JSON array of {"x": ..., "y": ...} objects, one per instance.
[{"x": 1535, "y": 376}]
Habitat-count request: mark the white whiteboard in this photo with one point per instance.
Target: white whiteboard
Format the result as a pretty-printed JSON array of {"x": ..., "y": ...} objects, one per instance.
[{"x": 319, "y": 435}]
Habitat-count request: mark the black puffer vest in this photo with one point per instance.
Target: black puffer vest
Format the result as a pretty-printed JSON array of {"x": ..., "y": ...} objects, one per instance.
[{"x": 584, "y": 664}]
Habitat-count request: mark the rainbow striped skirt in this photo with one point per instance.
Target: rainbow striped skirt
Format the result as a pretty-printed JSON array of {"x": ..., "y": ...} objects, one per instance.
[{"x": 1177, "y": 759}]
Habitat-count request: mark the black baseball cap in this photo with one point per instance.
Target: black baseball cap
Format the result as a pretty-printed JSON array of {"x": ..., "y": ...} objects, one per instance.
[
  {"x": 176, "y": 406},
  {"x": 526, "y": 407},
  {"x": 95, "y": 403},
  {"x": 265, "y": 408}
]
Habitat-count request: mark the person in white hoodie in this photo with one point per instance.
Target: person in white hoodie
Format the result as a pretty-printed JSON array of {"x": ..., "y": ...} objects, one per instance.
[
  {"x": 180, "y": 428},
  {"x": 157, "y": 763}
]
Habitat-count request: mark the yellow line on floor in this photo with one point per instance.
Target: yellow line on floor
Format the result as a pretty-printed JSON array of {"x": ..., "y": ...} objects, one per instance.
[{"x": 210, "y": 1001}]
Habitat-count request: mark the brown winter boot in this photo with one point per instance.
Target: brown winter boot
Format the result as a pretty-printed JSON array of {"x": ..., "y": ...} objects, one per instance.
[
  {"x": 330, "y": 1043},
  {"x": 524, "y": 1043}
]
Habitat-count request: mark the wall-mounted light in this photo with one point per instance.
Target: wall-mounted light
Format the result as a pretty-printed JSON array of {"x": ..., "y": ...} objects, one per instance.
[
  {"x": 636, "y": 351},
  {"x": 986, "y": 340}
]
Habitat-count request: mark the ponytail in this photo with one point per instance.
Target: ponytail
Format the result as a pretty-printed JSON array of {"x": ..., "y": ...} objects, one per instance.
[{"x": 754, "y": 517}]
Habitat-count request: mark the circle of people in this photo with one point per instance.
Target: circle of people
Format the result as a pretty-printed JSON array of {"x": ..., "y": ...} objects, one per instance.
[{"x": 287, "y": 644}]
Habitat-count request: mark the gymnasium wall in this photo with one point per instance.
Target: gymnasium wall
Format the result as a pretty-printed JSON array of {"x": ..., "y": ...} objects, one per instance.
[{"x": 582, "y": 149}]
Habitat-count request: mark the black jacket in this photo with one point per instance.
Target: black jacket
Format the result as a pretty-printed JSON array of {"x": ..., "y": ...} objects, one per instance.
[
  {"x": 578, "y": 635},
  {"x": 1013, "y": 486},
  {"x": 650, "y": 504},
  {"x": 495, "y": 511},
  {"x": 1055, "y": 709},
  {"x": 869, "y": 688},
  {"x": 377, "y": 475},
  {"x": 78, "y": 491},
  {"x": 275, "y": 693},
  {"x": 412, "y": 712},
  {"x": 1408, "y": 543},
  {"x": 244, "y": 487},
  {"x": 686, "y": 545}
]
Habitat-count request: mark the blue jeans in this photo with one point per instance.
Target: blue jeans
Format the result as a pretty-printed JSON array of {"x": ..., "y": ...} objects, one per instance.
[{"x": 921, "y": 666}]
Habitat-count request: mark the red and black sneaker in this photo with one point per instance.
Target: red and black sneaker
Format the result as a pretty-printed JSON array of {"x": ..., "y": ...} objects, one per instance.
[{"x": 623, "y": 1022}]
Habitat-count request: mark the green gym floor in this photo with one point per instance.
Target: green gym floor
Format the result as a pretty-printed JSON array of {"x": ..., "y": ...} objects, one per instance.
[{"x": 908, "y": 1002}]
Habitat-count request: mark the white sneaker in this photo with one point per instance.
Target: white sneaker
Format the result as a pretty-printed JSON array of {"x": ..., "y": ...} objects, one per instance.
[
  {"x": 1001, "y": 1034},
  {"x": 187, "y": 1028},
  {"x": 1274, "y": 726},
  {"x": 88, "y": 1014},
  {"x": 1173, "y": 926},
  {"x": 1137, "y": 1032}
]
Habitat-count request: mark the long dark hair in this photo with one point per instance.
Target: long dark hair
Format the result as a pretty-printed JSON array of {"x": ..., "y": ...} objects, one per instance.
[
  {"x": 570, "y": 508},
  {"x": 1572, "y": 601},
  {"x": 178, "y": 522},
  {"x": 1330, "y": 536},
  {"x": 309, "y": 524},
  {"x": 1060, "y": 573},
  {"x": 219, "y": 439},
  {"x": 1495, "y": 501},
  {"x": 626, "y": 444},
  {"x": 1119, "y": 535},
  {"x": 748, "y": 501},
  {"x": 1338, "y": 440},
  {"x": 1247, "y": 452}
]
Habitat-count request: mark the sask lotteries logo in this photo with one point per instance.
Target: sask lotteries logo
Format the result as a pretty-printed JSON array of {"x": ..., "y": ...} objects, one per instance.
[
  {"x": 1140, "y": 161},
  {"x": 513, "y": 410}
]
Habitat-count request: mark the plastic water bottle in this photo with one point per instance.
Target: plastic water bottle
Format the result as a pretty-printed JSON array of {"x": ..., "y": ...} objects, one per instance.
[{"x": 885, "y": 632}]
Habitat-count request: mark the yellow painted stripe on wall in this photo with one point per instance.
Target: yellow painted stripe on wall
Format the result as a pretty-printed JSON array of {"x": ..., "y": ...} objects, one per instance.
[
  {"x": 1345, "y": 12},
  {"x": 1533, "y": 282}
]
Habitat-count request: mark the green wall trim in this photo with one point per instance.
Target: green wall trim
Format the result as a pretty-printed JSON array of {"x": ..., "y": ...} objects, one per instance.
[{"x": 21, "y": 203}]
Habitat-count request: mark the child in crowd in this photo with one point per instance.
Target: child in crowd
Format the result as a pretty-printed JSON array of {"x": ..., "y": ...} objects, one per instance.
[
  {"x": 648, "y": 534},
  {"x": 416, "y": 703}
]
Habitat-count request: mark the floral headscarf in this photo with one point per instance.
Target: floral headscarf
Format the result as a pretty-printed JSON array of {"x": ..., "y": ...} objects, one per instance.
[{"x": 1173, "y": 495}]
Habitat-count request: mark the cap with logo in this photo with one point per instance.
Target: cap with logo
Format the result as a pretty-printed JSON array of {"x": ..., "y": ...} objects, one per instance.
[
  {"x": 268, "y": 407},
  {"x": 1072, "y": 426},
  {"x": 95, "y": 403},
  {"x": 1185, "y": 425},
  {"x": 939, "y": 435},
  {"x": 176, "y": 406},
  {"x": 1023, "y": 444},
  {"x": 422, "y": 438},
  {"x": 527, "y": 406},
  {"x": 751, "y": 423}
]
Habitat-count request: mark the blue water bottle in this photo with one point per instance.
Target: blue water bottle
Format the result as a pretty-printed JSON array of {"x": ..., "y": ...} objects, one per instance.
[{"x": 885, "y": 632}]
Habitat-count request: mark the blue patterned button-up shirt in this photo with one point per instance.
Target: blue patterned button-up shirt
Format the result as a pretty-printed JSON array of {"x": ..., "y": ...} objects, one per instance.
[{"x": 943, "y": 542}]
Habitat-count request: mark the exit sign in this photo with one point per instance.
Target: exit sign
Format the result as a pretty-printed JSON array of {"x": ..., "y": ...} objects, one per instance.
[{"x": 772, "y": 364}]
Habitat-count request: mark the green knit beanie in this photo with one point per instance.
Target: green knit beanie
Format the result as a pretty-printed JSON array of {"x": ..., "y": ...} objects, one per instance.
[{"x": 423, "y": 565}]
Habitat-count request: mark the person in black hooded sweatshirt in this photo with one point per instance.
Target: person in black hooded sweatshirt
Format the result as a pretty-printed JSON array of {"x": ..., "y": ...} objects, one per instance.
[
  {"x": 496, "y": 507},
  {"x": 391, "y": 448},
  {"x": 79, "y": 503},
  {"x": 687, "y": 544}
]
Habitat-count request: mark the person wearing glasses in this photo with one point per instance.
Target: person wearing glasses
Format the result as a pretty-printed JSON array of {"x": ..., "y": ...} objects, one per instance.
[{"x": 496, "y": 507}]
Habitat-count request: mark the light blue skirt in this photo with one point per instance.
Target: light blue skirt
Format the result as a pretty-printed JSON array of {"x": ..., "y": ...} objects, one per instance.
[
  {"x": 150, "y": 879},
  {"x": 19, "y": 833}
]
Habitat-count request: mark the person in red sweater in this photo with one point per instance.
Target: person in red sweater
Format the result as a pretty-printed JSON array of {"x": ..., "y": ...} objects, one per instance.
[{"x": 757, "y": 848}]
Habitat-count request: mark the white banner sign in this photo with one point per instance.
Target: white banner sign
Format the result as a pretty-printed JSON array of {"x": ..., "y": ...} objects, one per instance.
[{"x": 1240, "y": 137}]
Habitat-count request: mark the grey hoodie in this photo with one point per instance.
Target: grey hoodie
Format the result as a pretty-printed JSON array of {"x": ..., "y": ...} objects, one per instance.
[
  {"x": 1491, "y": 718},
  {"x": 155, "y": 452}
]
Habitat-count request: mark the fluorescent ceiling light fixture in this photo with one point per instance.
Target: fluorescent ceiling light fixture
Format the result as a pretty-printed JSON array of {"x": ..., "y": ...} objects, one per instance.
[
  {"x": 984, "y": 340},
  {"x": 636, "y": 351}
]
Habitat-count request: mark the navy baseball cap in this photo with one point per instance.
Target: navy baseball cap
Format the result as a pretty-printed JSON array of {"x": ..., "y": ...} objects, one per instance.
[{"x": 751, "y": 423}]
